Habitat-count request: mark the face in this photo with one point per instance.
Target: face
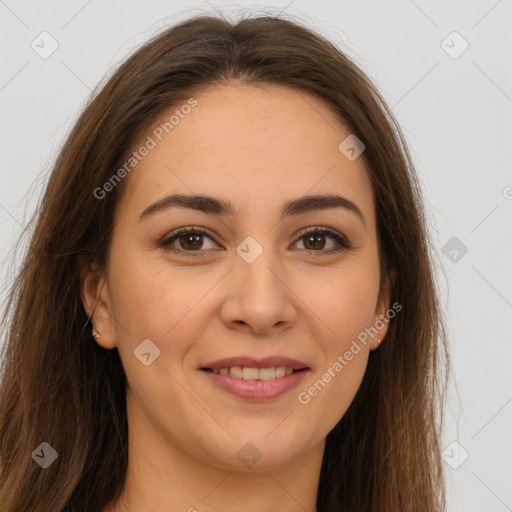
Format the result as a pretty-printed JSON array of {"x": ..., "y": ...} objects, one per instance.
[{"x": 290, "y": 289}]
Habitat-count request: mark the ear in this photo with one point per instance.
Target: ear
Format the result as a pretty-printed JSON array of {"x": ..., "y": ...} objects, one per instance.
[
  {"x": 381, "y": 319},
  {"x": 96, "y": 302}
]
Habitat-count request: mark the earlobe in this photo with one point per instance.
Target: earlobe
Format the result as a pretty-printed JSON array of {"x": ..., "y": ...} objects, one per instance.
[{"x": 94, "y": 296}]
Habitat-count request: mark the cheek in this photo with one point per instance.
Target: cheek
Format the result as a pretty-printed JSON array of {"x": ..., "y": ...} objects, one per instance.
[
  {"x": 171, "y": 306},
  {"x": 343, "y": 302},
  {"x": 343, "y": 306},
  {"x": 150, "y": 297},
  {"x": 329, "y": 394}
]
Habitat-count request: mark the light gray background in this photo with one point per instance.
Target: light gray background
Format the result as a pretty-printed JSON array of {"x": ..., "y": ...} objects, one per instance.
[{"x": 455, "y": 113}]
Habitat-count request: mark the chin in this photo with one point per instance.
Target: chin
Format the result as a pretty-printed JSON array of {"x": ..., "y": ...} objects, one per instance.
[{"x": 254, "y": 452}]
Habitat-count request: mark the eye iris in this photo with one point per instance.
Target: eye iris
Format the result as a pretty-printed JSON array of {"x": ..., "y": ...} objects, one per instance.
[
  {"x": 315, "y": 244},
  {"x": 184, "y": 240}
]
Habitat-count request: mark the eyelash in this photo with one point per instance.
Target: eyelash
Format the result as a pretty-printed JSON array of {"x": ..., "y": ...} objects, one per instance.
[{"x": 342, "y": 241}]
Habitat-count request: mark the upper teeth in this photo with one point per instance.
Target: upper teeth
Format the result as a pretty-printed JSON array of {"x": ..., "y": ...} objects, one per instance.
[{"x": 255, "y": 373}]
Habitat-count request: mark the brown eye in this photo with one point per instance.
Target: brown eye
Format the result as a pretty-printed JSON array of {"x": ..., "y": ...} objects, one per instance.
[
  {"x": 187, "y": 241},
  {"x": 191, "y": 241},
  {"x": 315, "y": 240}
]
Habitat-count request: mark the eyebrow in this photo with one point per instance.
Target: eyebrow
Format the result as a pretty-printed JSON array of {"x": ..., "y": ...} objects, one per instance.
[{"x": 214, "y": 206}]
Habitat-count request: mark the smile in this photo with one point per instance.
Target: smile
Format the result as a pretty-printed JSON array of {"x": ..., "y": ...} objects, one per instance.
[
  {"x": 248, "y": 373},
  {"x": 255, "y": 383}
]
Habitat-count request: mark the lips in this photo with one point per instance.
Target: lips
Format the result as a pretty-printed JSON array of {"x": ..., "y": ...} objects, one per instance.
[
  {"x": 255, "y": 379},
  {"x": 251, "y": 362}
]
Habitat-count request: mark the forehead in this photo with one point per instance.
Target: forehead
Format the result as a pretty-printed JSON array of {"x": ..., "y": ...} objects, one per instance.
[{"x": 249, "y": 144}]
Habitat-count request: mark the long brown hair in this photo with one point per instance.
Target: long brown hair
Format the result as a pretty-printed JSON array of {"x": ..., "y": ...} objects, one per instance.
[{"x": 59, "y": 386}]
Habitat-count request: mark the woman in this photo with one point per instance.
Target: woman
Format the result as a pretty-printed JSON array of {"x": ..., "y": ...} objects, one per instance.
[{"x": 228, "y": 299}]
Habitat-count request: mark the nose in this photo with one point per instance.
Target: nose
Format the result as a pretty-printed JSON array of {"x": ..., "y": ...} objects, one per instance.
[{"x": 258, "y": 299}]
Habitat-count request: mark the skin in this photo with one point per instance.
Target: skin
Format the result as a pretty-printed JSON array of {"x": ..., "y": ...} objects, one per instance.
[{"x": 256, "y": 147}]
